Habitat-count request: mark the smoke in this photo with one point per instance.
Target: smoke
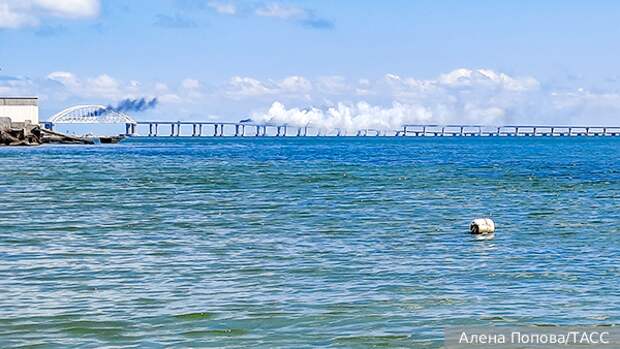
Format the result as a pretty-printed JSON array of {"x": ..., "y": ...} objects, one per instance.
[
  {"x": 128, "y": 105},
  {"x": 354, "y": 116}
]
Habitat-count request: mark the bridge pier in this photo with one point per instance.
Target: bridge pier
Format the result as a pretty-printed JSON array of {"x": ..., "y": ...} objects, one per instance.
[
  {"x": 130, "y": 129},
  {"x": 219, "y": 130}
]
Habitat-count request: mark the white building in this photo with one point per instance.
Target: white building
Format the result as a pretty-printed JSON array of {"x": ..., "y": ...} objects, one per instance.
[{"x": 20, "y": 109}]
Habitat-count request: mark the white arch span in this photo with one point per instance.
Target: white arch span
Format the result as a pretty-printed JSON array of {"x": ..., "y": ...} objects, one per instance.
[{"x": 87, "y": 114}]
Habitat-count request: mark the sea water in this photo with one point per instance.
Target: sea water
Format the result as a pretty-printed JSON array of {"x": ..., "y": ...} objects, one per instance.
[{"x": 304, "y": 242}]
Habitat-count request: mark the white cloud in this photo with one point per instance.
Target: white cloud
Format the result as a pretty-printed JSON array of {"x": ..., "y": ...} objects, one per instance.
[
  {"x": 69, "y": 8},
  {"x": 347, "y": 116},
  {"x": 190, "y": 84},
  {"x": 333, "y": 84},
  {"x": 16, "y": 86},
  {"x": 247, "y": 87},
  {"x": 467, "y": 78},
  {"x": 9, "y": 18},
  {"x": 100, "y": 87},
  {"x": 280, "y": 11},
  {"x": 295, "y": 84},
  {"x": 225, "y": 8},
  {"x": 363, "y": 88},
  {"x": 476, "y": 96},
  {"x": 65, "y": 78},
  {"x": 461, "y": 96},
  {"x": 305, "y": 17},
  {"x": 161, "y": 87},
  {"x": 24, "y": 13},
  {"x": 104, "y": 86}
]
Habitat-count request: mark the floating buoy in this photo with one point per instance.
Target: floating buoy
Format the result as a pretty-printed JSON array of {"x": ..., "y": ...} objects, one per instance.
[{"x": 482, "y": 226}]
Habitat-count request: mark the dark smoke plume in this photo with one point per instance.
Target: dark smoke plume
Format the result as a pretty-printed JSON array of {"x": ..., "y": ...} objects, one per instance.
[{"x": 127, "y": 105}]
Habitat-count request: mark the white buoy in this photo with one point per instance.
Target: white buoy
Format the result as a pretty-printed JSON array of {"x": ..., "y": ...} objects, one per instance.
[{"x": 482, "y": 226}]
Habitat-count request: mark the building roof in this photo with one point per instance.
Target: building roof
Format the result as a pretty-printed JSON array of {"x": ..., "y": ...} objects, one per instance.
[{"x": 19, "y": 100}]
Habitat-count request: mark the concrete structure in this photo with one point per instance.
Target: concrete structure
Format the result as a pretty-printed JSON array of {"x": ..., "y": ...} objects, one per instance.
[
  {"x": 237, "y": 129},
  {"x": 20, "y": 109}
]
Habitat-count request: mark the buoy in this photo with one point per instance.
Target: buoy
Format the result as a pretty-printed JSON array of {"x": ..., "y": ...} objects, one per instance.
[{"x": 482, "y": 226}]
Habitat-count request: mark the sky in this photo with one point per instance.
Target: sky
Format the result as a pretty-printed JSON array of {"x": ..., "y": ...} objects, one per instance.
[{"x": 331, "y": 63}]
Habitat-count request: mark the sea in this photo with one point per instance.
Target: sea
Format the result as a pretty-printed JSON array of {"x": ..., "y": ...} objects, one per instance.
[{"x": 304, "y": 242}]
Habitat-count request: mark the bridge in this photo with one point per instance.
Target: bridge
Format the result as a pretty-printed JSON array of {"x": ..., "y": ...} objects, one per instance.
[
  {"x": 94, "y": 114},
  {"x": 88, "y": 114}
]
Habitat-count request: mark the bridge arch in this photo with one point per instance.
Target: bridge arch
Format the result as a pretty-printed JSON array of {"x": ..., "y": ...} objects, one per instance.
[{"x": 90, "y": 114}]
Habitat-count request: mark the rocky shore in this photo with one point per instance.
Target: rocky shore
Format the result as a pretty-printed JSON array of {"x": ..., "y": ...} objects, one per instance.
[{"x": 26, "y": 134}]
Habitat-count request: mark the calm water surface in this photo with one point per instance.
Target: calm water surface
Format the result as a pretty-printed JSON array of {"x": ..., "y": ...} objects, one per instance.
[{"x": 304, "y": 243}]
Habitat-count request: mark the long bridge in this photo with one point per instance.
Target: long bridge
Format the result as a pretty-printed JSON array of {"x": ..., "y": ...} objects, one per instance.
[{"x": 87, "y": 114}]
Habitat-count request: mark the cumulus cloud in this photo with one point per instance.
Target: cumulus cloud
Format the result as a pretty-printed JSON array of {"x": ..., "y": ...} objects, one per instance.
[
  {"x": 190, "y": 84},
  {"x": 346, "y": 116},
  {"x": 15, "y": 86},
  {"x": 247, "y": 87},
  {"x": 225, "y": 8},
  {"x": 102, "y": 86},
  {"x": 68, "y": 8},
  {"x": 240, "y": 87},
  {"x": 472, "y": 96},
  {"x": 23, "y": 13},
  {"x": 362, "y": 115},
  {"x": 333, "y": 85},
  {"x": 279, "y": 11},
  {"x": 305, "y": 17},
  {"x": 295, "y": 84}
]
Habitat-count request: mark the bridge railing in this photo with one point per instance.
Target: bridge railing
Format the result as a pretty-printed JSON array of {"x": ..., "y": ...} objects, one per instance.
[{"x": 158, "y": 128}]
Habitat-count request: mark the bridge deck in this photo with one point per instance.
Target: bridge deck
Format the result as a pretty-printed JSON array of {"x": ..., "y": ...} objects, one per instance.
[{"x": 219, "y": 129}]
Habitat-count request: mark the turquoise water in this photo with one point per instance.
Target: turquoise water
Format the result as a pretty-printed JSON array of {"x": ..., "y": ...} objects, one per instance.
[{"x": 304, "y": 243}]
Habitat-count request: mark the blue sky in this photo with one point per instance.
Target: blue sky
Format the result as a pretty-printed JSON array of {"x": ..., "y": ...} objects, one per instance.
[{"x": 367, "y": 62}]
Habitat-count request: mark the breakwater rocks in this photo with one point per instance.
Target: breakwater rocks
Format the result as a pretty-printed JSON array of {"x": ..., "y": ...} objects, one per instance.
[
  {"x": 19, "y": 133},
  {"x": 51, "y": 137},
  {"x": 27, "y": 134}
]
